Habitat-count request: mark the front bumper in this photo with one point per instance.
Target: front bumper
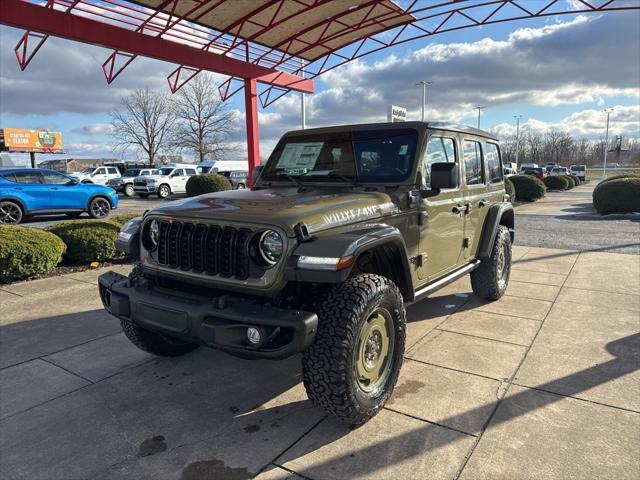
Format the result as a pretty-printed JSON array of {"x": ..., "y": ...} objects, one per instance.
[
  {"x": 147, "y": 189},
  {"x": 219, "y": 322}
]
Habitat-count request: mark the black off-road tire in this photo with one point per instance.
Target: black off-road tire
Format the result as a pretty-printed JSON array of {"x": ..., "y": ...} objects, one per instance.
[
  {"x": 329, "y": 364},
  {"x": 155, "y": 343},
  {"x": 486, "y": 280}
]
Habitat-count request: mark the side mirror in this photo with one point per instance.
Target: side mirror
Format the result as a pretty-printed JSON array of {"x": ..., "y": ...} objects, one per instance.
[
  {"x": 444, "y": 175},
  {"x": 256, "y": 173}
]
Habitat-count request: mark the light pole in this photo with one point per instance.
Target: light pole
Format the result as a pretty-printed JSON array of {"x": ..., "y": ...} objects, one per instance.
[
  {"x": 479, "y": 109},
  {"x": 517, "y": 117},
  {"x": 424, "y": 94},
  {"x": 606, "y": 141},
  {"x": 303, "y": 112}
]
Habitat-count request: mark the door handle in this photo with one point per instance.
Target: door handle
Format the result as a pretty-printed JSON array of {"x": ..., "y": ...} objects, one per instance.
[
  {"x": 482, "y": 203},
  {"x": 460, "y": 209}
]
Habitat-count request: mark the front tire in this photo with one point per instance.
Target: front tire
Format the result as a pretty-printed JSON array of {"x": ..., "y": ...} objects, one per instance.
[
  {"x": 353, "y": 364},
  {"x": 491, "y": 278},
  {"x": 129, "y": 191},
  {"x": 99, "y": 208},
  {"x": 10, "y": 213},
  {"x": 155, "y": 343},
  {"x": 164, "y": 191}
]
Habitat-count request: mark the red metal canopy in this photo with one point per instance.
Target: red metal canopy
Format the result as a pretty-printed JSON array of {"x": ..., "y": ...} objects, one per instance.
[{"x": 274, "y": 42}]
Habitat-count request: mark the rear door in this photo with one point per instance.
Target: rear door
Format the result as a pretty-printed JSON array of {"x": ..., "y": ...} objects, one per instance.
[
  {"x": 29, "y": 186},
  {"x": 442, "y": 229},
  {"x": 100, "y": 176},
  {"x": 475, "y": 193}
]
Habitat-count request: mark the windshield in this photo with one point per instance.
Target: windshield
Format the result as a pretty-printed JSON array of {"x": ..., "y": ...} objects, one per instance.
[
  {"x": 87, "y": 171},
  {"x": 165, "y": 171},
  {"x": 361, "y": 156},
  {"x": 133, "y": 172},
  {"x": 578, "y": 168}
]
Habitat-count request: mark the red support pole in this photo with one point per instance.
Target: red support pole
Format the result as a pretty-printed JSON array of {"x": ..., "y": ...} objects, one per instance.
[{"x": 253, "y": 135}]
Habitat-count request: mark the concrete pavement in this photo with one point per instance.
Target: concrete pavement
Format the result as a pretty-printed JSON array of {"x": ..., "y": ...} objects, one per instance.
[{"x": 543, "y": 383}]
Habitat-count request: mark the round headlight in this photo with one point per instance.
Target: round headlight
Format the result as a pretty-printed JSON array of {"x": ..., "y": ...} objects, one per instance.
[
  {"x": 271, "y": 247},
  {"x": 150, "y": 235}
]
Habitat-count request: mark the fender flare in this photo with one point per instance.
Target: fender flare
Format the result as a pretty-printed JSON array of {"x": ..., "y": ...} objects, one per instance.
[
  {"x": 352, "y": 243},
  {"x": 17, "y": 200},
  {"x": 499, "y": 214}
]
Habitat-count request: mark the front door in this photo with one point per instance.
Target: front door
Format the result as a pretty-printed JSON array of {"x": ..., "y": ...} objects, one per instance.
[{"x": 442, "y": 228}]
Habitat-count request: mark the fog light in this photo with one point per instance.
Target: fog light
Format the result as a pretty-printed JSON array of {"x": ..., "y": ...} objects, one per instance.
[{"x": 253, "y": 335}]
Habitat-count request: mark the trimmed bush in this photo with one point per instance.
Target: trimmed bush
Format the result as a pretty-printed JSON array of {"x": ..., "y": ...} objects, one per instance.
[
  {"x": 207, "y": 183},
  {"x": 621, "y": 175},
  {"x": 25, "y": 252},
  {"x": 87, "y": 240},
  {"x": 556, "y": 182},
  {"x": 509, "y": 188},
  {"x": 575, "y": 178},
  {"x": 620, "y": 195},
  {"x": 570, "y": 183},
  {"x": 528, "y": 187}
]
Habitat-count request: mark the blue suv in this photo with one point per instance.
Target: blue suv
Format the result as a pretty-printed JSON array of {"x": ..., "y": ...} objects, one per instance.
[{"x": 34, "y": 191}]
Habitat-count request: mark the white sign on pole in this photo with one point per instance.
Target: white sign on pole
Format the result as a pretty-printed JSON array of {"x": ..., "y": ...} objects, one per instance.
[{"x": 396, "y": 114}]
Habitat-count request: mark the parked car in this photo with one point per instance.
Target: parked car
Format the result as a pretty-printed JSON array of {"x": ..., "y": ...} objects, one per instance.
[
  {"x": 124, "y": 184},
  {"x": 389, "y": 213},
  {"x": 527, "y": 165},
  {"x": 579, "y": 171},
  {"x": 510, "y": 168},
  {"x": 219, "y": 166},
  {"x": 99, "y": 175},
  {"x": 164, "y": 182},
  {"x": 239, "y": 178},
  {"x": 26, "y": 192},
  {"x": 550, "y": 166},
  {"x": 559, "y": 171},
  {"x": 538, "y": 172}
]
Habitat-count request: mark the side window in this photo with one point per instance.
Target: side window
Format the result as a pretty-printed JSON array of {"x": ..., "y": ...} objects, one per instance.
[
  {"x": 472, "y": 152},
  {"x": 101, "y": 171},
  {"x": 27, "y": 177},
  {"x": 494, "y": 165},
  {"x": 112, "y": 171},
  {"x": 9, "y": 176},
  {"x": 191, "y": 171},
  {"x": 53, "y": 178},
  {"x": 439, "y": 150},
  {"x": 178, "y": 172}
]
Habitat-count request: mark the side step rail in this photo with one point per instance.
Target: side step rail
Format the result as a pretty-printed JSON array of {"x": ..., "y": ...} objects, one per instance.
[{"x": 444, "y": 281}]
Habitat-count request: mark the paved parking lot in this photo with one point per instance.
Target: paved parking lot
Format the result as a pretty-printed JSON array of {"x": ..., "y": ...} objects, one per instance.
[{"x": 543, "y": 383}]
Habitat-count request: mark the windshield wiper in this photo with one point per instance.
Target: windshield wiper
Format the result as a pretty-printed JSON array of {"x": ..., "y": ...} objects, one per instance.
[
  {"x": 333, "y": 174},
  {"x": 282, "y": 173}
]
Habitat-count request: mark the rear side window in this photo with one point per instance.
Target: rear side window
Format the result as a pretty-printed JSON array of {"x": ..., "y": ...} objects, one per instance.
[
  {"x": 474, "y": 173},
  {"x": 439, "y": 150},
  {"x": 191, "y": 171},
  {"x": 9, "y": 176},
  {"x": 112, "y": 170},
  {"x": 492, "y": 157},
  {"x": 27, "y": 177}
]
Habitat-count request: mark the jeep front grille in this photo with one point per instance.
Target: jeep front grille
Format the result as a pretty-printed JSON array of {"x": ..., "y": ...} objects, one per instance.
[{"x": 209, "y": 249}]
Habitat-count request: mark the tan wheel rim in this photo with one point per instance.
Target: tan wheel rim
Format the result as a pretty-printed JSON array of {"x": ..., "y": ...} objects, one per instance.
[{"x": 375, "y": 350}]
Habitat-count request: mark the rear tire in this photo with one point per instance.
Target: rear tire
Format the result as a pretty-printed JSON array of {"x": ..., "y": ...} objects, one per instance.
[
  {"x": 129, "y": 191},
  {"x": 10, "y": 213},
  {"x": 155, "y": 343},
  {"x": 491, "y": 278},
  {"x": 353, "y": 364}
]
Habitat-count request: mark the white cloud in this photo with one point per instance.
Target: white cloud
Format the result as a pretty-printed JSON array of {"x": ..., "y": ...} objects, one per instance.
[{"x": 94, "y": 129}]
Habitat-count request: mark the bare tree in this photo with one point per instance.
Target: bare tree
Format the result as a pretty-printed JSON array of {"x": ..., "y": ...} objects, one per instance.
[
  {"x": 204, "y": 120},
  {"x": 145, "y": 122}
]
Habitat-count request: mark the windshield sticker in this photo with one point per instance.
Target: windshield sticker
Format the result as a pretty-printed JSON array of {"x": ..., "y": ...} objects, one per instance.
[{"x": 300, "y": 155}]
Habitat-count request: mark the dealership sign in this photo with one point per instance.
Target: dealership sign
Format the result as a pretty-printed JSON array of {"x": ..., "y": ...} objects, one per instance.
[
  {"x": 41, "y": 141},
  {"x": 396, "y": 114}
]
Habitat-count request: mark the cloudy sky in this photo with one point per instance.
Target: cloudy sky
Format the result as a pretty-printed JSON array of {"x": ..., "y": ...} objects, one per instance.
[{"x": 558, "y": 72}]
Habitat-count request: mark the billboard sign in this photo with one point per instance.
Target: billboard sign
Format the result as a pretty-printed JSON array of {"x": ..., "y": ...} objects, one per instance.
[
  {"x": 396, "y": 114},
  {"x": 40, "y": 141}
]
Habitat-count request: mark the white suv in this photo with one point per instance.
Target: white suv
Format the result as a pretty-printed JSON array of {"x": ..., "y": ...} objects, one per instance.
[
  {"x": 168, "y": 180},
  {"x": 559, "y": 171},
  {"x": 99, "y": 175}
]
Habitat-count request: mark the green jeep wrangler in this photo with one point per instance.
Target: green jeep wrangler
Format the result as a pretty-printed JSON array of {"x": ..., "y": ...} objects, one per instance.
[{"x": 344, "y": 227}]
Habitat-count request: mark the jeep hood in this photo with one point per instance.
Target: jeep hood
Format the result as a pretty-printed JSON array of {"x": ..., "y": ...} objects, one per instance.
[
  {"x": 284, "y": 207},
  {"x": 151, "y": 177}
]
